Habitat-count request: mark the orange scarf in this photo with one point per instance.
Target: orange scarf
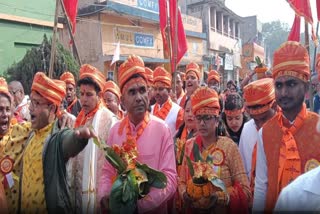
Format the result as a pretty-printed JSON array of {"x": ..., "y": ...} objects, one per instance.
[
  {"x": 289, "y": 159},
  {"x": 183, "y": 101},
  {"x": 125, "y": 123},
  {"x": 69, "y": 108},
  {"x": 253, "y": 168},
  {"x": 162, "y": 112},
  {"x": 82, "y": 117}
]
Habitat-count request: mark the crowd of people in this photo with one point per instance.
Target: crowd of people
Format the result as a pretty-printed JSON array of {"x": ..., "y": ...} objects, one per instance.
[{"x": 260, "y": 138}]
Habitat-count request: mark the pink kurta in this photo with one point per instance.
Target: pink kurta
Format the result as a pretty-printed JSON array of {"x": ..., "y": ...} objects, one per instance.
[{"x": 156, "y": 149}]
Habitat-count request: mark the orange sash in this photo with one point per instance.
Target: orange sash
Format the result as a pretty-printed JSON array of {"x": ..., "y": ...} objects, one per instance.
[
  {"x": 82, "y": 118},
  {"x": 183, "y": 101},
  {"x": 289, "y": 159},
  {"x": 69, "y": 108},
  {"x": 125, "y": 123},
  {"x": 164, "y": 111},
  {"x": 253, "y": 168}
]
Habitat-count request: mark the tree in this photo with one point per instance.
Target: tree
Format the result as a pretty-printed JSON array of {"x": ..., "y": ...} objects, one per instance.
[
  {"x": 275, "y": 33},
  {"x": 37, "y": 59}
]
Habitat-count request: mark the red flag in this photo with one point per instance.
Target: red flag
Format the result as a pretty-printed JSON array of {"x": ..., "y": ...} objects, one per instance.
[
  {"x": 295, "y": 30},
  {"x": 163, "y": 14},
  {"x": 181, "y": 45},
  {"x": 302, "y": 8},
  {"x": 318, "y": 9},
  {"x": 71, "y": 7}
]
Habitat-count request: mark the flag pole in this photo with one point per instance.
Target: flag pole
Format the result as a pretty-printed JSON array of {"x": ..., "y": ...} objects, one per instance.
[
  {"x": 74, "y": 46},
  {"x": 315, "y": 51},
  {"x": 53, "y": 41},
  {"x": 306, "y": 41},
  {"x": 174, "y": 73}
]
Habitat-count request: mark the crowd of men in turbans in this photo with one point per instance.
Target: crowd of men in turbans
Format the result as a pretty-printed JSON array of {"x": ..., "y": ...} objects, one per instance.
[{"x": 260, "y": 137}]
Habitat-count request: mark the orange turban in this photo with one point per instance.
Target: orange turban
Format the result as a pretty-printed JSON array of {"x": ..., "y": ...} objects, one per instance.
[
  {"x": 291, "y": 59},
  {"x": 97, "y": 76},
  {"x": 133, "y": 65},
  {"x": 149, "y": 75},
  {"x": 194, "y": 69},
  {"x": 4, "y": 87},
  {"x": 259, "y": 93},
  {"x": 205, "y": 101},
  {"x": 68, "y": 78},
  {"x": 52, "y": 90},
  {"x": 213, "y": 75},
  {"x": 112, "y": 87},
  {"x": 161, "y": 77}
]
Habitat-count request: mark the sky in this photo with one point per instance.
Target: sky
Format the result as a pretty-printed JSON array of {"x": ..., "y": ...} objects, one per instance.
[{"x": 267, "y": 10}]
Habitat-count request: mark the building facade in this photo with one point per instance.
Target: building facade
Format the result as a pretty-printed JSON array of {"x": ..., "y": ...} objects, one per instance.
[
  {"x": 223, "y": 29},
  {"x": 22, "y": 26},
  {"x": 253, "y": 45},
  {"x": 135, "y": 25}
]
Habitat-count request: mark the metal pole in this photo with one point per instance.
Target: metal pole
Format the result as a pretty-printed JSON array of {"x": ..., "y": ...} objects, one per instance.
[
  {"x": 74, "y": 45},
  {"x": 306, "y": 39},
  {"x": 53, "y": 41},
  {"x": 315, "y": 51}
]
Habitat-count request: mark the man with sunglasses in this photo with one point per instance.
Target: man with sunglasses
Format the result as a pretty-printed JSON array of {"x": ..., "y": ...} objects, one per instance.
[
  {"x": 165, "y": 108},
  {"x": 21, "y": 111}
]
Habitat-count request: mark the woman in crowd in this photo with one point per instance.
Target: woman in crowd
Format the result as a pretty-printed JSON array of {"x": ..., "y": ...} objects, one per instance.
[
  {"x": 226, "y": 163},
  {"x": 234, "y": 116}
]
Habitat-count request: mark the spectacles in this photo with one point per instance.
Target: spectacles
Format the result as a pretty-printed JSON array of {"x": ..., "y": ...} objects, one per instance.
[
  {"x": 204, "y": 118},
  {"x": 35, "y": 103},
  {"x": 14, "y": 92}
]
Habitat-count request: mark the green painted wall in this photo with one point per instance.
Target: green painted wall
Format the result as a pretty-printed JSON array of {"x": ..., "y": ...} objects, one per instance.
[
  {"x": 36, "y": 9},
  {"x": 16, "y": 38}
]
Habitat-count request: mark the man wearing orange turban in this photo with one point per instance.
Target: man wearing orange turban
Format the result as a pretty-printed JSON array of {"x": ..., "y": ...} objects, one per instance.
[
  {"x": 227, "y": 163},
  {"x": 287, "y": 144},
  {"x": 111, "y": 95},
  {"x": 74, "y": 105},
  {"x": 164, "y": 108},
  {"x": 93, "y": 113},
  {"x": 152, "y": 135},
  {"x": 214, "y": 80},
  {"x": 192, "y": 80},
  {"x": 43, "y": 154},
  {"x": 259, "y": 101}
]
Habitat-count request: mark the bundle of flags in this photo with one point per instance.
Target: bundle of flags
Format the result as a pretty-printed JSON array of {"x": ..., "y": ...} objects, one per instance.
[
  {"x": 174, "y": 38},
  {"x": 302, "y": 9}
]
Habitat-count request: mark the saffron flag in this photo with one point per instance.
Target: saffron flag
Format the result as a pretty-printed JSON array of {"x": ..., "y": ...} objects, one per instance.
[
  {"x": 302, "y": 8},
  {"x": 116, "y": 54},
  {"x": 175, "y": 47},
  {"x": 71, "y": 7},
  {"x": 178, "y": 45},
  {"x": 163, "y": 14},
  {"x": 295, "y": 30}
]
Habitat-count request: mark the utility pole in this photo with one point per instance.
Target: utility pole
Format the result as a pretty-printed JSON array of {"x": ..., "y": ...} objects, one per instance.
[{"x": 53, "y": 41}]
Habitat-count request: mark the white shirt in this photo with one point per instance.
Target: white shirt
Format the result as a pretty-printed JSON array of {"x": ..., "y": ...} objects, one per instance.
[
  {"x": 248, "y": 139},
  {"x": 303, "y": 194},
  {"x": 261, "y": 180},
  {"x": 171, "y": 118}
]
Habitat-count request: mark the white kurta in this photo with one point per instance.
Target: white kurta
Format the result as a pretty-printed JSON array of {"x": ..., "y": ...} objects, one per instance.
[
  {"x": 261, "y": 180},
  {"x": 303, "y": 194},
  {"x": 171, "y": 119},
  {"x": 248, "y": 139},
  {"x": 87, "y": 163}
]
